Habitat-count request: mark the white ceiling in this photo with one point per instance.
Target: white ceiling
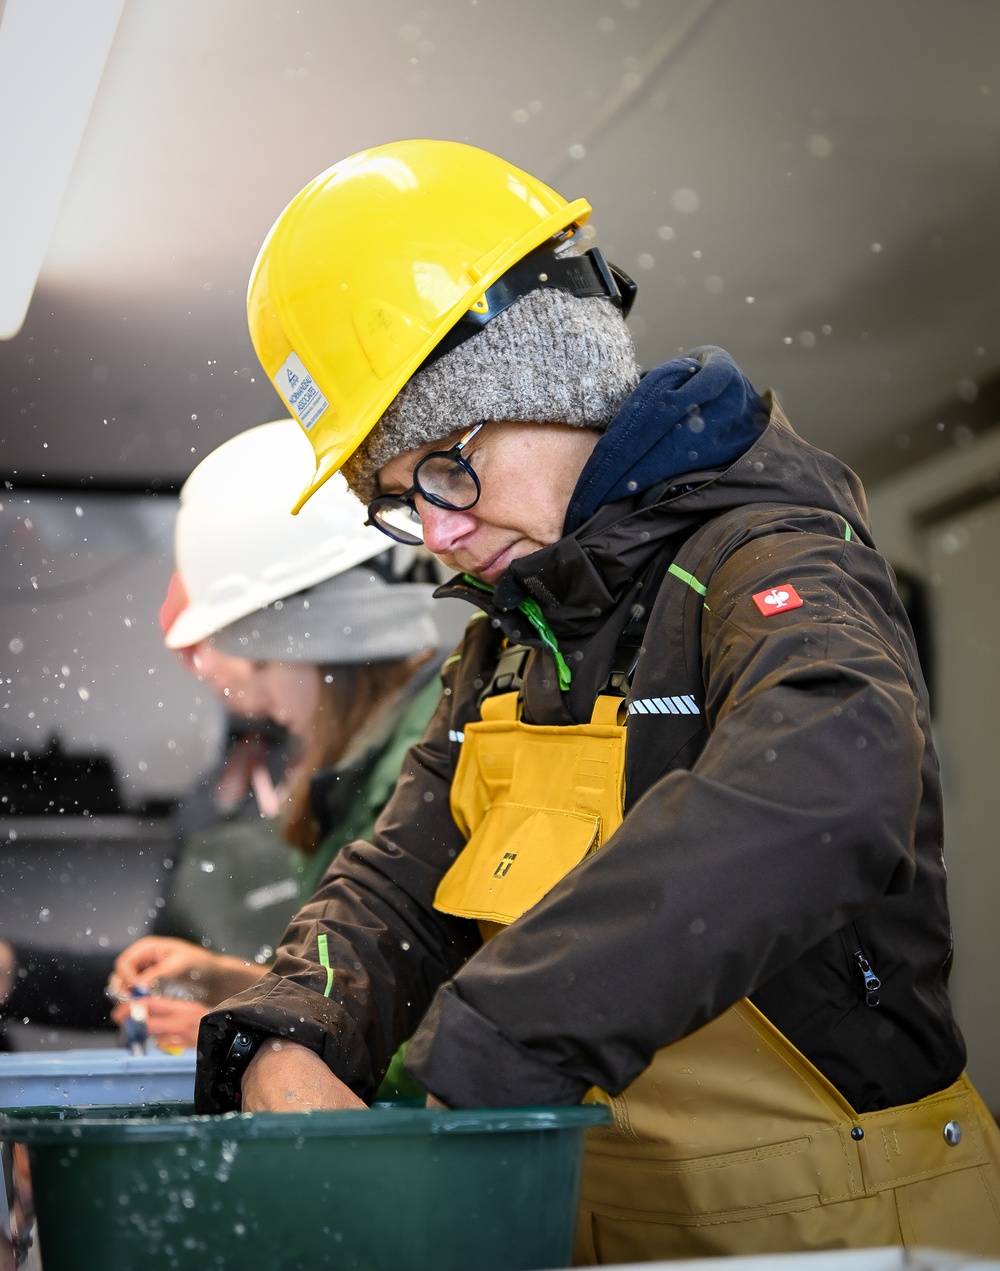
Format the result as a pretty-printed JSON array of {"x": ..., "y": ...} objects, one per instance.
[{"x": 837, "y": 161}]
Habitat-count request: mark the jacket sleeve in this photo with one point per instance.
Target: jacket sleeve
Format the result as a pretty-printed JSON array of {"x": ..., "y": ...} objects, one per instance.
[
  {"x": 360, "y": 962},
  {"x": 798, "y": 814}
]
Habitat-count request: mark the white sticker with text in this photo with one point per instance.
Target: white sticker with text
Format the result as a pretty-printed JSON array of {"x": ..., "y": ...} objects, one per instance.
[{"x": 299, "y": 390}]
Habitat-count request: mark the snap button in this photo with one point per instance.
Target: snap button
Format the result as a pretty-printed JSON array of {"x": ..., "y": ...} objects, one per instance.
[
  {"x": 857, "y": 1132},
  {"x": 953, "y": 1133}
]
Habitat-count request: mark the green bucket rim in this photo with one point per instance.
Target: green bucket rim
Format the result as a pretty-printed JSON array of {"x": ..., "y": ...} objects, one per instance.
[{"x": 165, "y": 1122}]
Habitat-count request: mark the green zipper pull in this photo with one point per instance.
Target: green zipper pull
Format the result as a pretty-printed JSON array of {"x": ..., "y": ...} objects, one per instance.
[{"x": 533, "y": 613}]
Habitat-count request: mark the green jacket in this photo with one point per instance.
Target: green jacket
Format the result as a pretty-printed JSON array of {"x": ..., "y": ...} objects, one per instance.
[{"x": 348, "y": 798}]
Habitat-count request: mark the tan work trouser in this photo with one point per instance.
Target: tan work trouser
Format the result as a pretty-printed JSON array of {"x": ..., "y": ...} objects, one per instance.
[{"x": 732, "y": 1142}]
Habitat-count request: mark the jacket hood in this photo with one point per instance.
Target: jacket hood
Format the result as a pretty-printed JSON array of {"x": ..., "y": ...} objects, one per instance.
[
  {"x": 576, "y": 580},
  {"x": 694, "y": 414}
]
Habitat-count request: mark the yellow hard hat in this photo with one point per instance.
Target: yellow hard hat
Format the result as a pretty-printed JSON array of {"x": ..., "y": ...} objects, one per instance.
[{"x": 369, "y": 267}]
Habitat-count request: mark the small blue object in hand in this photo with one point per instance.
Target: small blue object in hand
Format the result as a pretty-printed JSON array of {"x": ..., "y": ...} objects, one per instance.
[{"x": 136, "y": 1025}]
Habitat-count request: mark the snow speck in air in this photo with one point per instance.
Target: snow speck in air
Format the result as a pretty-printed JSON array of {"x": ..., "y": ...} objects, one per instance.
[{"x": 685, "y": 200}]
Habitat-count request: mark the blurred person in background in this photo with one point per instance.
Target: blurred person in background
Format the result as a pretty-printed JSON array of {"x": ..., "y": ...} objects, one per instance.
[
  {"x": 64, "y": 987},
  {"x": 320, "y": 637},
  {"x": 235, "y": 805}
]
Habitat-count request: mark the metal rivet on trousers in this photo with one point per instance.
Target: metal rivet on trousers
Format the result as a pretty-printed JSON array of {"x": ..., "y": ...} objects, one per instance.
[
  {"x": 953, "y": 1133},
  {"x": 857, "y": 1132}
]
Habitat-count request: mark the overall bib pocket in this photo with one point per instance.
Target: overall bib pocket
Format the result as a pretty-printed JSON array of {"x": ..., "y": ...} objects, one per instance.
[
  {"x": 516, "y": 855},
  {"x": 534, "y": 801}
]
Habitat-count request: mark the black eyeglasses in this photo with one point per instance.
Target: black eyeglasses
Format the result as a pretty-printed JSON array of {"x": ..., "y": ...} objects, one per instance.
[{"x": 443, "y": 478}]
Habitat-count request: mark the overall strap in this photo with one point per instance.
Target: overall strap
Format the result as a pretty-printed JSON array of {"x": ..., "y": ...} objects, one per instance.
[
  {"x": 608, "y": 709},
  {"x": 629, "y": 644},
  {"x": 501, "y": 706},
  {"x": 507, "y": 680}
]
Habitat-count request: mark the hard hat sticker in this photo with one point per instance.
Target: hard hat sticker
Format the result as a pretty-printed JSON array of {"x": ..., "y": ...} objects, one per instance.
[
  {"x": 299, "y": 390},
  {"x": 777, "y": 599}
]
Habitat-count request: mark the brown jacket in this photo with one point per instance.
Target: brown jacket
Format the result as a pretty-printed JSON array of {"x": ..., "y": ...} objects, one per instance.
[{"x": 795, "y": 820}]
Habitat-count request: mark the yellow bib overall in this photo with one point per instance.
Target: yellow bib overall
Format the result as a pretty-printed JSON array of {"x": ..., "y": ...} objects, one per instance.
[{"x": 731, "y": 1141}]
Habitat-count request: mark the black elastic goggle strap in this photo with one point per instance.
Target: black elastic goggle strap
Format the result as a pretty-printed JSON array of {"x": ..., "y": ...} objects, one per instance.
[{"x": 586, "y": 275}]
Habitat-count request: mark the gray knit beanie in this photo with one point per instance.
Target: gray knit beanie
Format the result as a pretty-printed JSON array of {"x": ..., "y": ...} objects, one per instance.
[
  {"x": 550, "y": 358},
  {"x": 355, "y": 617}
]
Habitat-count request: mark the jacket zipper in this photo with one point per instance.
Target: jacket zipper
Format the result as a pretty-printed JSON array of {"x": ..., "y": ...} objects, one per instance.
[
  {"x": 872, "y": 983},
  {"x": 858, "y": 960}
]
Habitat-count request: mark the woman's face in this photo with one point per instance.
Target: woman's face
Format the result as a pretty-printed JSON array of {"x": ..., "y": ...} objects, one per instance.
[
  {"x": 528, "y": 473},
  {"x": 228, "y": 677},
  {"x": 287, "y": 692}
]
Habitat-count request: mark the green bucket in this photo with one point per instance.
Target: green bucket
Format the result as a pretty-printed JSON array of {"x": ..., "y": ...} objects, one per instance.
[{"x": 397, "y": 1187}]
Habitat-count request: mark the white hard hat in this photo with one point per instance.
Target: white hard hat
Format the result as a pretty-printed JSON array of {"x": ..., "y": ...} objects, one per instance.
[{"x": 237, "y": 546}]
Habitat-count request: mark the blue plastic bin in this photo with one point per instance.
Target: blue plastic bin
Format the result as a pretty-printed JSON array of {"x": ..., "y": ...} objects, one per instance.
[{"x": 40, "y": 1079}]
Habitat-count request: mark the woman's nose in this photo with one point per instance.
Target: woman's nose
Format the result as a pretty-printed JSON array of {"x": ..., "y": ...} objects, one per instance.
[{"x": 444, "y": 529}]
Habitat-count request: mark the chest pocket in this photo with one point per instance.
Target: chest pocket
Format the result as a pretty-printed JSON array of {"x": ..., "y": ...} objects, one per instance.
[{"x": 532, "y": 801}]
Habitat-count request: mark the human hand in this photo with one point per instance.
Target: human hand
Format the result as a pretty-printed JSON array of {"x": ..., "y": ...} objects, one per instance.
[
  {"x": 152, "y": 959},
  {"x": 208, "y": 977},
  {"x": 286, "y": 1077},
  {"x": 169, "y": 1020}
]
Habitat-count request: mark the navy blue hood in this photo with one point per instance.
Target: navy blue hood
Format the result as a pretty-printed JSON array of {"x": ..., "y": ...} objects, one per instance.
[{"x": 698, "y": 413}]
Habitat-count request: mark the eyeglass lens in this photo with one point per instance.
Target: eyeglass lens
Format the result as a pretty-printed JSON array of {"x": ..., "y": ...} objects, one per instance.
[
  {"x": 443, "y": 479},
  {"x": 400, "y": 521},
  {"x": 446, "y": 480}
]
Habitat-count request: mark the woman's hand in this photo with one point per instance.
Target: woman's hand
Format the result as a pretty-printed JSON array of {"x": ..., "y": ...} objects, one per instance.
[
  {"x": 170, "y": 1021},
  {"x": 153, "y": 959},
  {"x": 286, "y": 1077},
  {"x": 208, "y": 977}
]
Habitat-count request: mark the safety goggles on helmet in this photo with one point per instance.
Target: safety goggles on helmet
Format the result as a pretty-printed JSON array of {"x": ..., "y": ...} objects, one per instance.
[
  {"x": 444, "y": 478},
  {"x": 544, "y": 269}
]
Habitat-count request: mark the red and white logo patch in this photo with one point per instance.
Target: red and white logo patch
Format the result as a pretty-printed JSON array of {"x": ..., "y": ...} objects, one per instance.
[{"x": 777, "y": 599}]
